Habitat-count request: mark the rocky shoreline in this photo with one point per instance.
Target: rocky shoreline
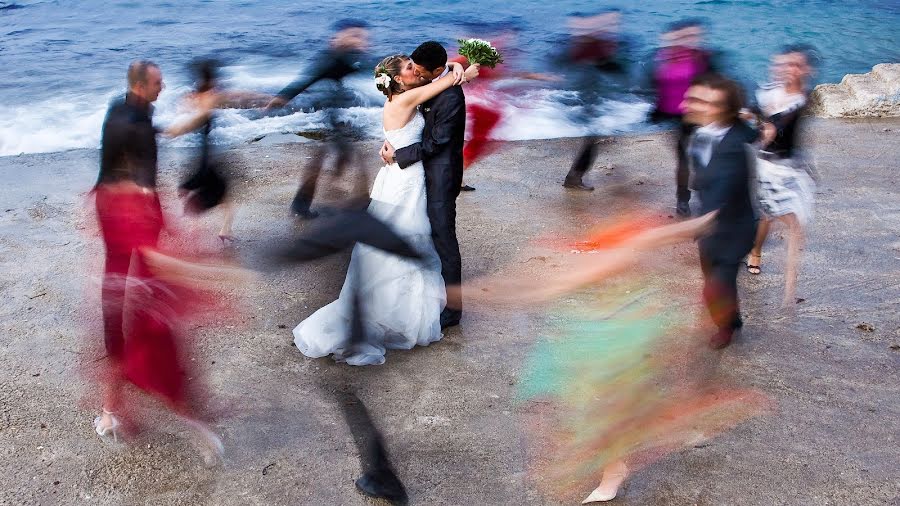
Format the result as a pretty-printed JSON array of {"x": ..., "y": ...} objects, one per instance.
[{"x": 872, "y": 95}]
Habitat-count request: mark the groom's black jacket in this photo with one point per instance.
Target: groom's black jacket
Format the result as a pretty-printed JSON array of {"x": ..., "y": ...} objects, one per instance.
[
  {"x": 441, "y": 153},
  {"x": 441, "y": 146}
]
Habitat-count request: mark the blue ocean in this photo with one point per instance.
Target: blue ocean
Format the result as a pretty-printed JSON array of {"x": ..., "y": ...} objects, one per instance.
[{"x": 63, "y": 61}]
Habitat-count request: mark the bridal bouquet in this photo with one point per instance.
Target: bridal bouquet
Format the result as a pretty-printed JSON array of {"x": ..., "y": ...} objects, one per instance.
[{"x": 480, "y": 52}]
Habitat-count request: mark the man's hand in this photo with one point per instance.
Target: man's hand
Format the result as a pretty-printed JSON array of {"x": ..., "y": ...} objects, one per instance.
[
  {"x": 387, "y": 152},
  {"x": 768, "y": 133},
  {"x": 275, "y": 103}
]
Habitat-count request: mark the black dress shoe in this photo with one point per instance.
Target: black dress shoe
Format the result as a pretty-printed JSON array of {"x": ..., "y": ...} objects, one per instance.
[
  {"x": 683, "y": 210},
  {"x": 450, "y": 318},
  {"x": 305, "y": 214},
  {"x": 577, "y": 185},
  {"x": 721, "y": 339},
  {"x": 384, "y": 485},
  {"x": 446, "y": 324},
  {"x": 466, "y": 188}
]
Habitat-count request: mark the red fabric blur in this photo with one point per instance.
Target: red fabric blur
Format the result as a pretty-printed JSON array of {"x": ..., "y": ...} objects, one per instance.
[{"x": 140, "y": 311}]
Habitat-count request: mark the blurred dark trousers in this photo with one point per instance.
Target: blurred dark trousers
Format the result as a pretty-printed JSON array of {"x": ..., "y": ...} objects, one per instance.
[
  {"x": 720, "y": 290},
  {"x": 442, "y": 216},
  {"x": 585, "y": 159},
  {"x": 683, "y": 169},
  {"x": 339, "y": 142}
]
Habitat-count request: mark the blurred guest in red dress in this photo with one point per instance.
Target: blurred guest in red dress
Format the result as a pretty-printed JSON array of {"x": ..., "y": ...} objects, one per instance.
[
  {"x": 485, "y": 102},
  {"x": 142, "y": 298}
]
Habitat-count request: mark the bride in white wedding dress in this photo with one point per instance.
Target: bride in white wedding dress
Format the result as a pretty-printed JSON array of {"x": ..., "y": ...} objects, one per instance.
[{"x": 401, "y": 299}]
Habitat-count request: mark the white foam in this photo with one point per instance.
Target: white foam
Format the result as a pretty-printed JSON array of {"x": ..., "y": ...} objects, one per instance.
[
  {"x": 540, "y": 114},
  {"x": 75, "y": 121},
  {"x": 54, "y": 125},
  {"x": 255, "y": 77}
]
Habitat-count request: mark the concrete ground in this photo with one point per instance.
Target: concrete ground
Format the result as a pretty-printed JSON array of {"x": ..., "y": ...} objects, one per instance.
[{"x": 447, "y": 410}]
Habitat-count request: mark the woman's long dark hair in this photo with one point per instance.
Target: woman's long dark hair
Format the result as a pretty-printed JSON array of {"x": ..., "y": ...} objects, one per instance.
[{"x": 206, "y": 74}]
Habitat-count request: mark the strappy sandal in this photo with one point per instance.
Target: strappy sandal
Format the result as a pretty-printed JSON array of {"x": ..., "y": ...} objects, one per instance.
[
  {"x": 754, "y": 269},
  {"x": 110, "y": 430}
]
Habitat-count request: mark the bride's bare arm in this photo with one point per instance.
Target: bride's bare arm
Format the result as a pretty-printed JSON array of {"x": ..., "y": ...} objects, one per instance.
[{"x": 417, "y": 96}]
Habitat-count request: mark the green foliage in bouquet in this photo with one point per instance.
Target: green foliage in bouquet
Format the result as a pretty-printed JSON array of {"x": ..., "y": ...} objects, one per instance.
[{"x": 480, "y": 52}]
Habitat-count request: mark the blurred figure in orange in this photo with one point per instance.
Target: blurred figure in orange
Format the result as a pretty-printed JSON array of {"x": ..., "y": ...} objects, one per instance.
[{"x": 604, "y": 392}]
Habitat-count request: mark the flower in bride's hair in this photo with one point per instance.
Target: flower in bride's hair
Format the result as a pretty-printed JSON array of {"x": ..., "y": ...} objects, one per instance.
[{"x": 383, "y": 80}]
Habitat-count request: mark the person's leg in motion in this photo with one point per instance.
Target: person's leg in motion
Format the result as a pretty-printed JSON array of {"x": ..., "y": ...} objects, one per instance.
[
  {"x": 754, "y": 260},
  {"x": 720, "y": 295},
  {"x": 583, "y": 162},
  {"x": 302, "y": 202},
  {"x": 795, "y": 239},
  {"x": 683, "y": 171}
]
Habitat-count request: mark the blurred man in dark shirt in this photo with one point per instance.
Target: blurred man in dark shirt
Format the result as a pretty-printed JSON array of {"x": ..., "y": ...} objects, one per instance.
[
  {"x": 128, "y": 146},
  {"x": 127, "y": 204},
  {"x": 343, "y": 57},
  {"x": 594, "y": 53}
]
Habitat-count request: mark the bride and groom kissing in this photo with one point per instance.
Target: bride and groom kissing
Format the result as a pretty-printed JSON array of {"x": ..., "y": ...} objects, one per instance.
[{"x": 403, "y": 302}]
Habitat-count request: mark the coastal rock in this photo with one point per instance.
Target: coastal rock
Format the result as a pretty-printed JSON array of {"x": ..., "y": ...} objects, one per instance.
[{"x": 876, "y": 94}]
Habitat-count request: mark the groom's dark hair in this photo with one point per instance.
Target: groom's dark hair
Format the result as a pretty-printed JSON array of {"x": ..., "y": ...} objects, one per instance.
[{"x": 430, "y": 55}]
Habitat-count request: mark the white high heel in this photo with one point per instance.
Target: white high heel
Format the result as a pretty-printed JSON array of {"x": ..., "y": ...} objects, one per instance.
[
  {"x": 104, "y": 430},
  {"x": 613, "y": 477},
  {"x": 214, "y": 451},
  {"x": 212, "y": 459}
]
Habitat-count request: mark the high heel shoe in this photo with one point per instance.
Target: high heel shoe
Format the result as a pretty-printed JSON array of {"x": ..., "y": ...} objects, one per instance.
[
  {"x": 105, "y": 430},
  {"x": 754, "y": 268},
  {"x": 613, "y": 477},
  {"x": 214, "y": 452}
]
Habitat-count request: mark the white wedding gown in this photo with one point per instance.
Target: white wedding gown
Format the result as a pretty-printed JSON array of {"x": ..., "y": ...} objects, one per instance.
[{"x": 401, "y": 299}]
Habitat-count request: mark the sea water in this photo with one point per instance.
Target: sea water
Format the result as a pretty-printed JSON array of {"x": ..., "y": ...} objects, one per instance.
[{"x": 63, "y": 61}]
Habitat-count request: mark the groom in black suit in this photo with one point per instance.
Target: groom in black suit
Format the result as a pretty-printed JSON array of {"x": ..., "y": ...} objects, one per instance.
[{"x": 441, "y": 151}]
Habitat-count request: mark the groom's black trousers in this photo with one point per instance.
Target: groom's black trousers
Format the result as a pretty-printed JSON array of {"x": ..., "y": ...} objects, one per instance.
[
  {"x": 442, "y": 215},
  {"x": 442, "y": 182},
  {"x": 441, "y": 151}
]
